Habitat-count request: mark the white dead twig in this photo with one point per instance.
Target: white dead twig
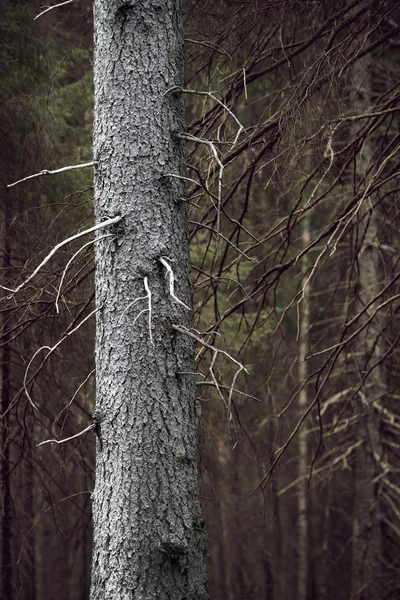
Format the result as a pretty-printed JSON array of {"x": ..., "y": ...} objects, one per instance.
[
  {"x": 56, "y": 171},
  {"x": 47, "y": 8},
  {"x": 70, "y": 261},
  {"x": 171, "y": 282},
  {"x": 216, "y": 351},
  {"x": 183, "y": 178},
  {"x": 193, "y": 138},
  {"x": 92, "y": 426},
  {"x": 51, "y": 349},
  {"x": 101, "y": 225}
]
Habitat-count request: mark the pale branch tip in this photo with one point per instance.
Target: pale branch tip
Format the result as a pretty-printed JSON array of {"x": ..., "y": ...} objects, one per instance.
[
  {"x": 48, "y": 8},
  {"x": 54, "y": 172},
  {"x": 72, "y": 437},
  {"x": 106, "y": 223},
  {"x": 171, "y": 281}
]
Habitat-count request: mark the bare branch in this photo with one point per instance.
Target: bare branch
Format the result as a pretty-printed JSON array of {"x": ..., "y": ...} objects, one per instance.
[
  {"x": 92, "y": 426},
  {"x": 224, "y": 106},
  {"x": 50, "y": 351},
  {"x": 215, "y": 352},
  {"x": 149, "y": 309},
  {"x": 56, "y": 171},
  {"x": 48, "y": 8},
  {"x": 101, "y": 225},
  {"x": 70, "y": 261}
]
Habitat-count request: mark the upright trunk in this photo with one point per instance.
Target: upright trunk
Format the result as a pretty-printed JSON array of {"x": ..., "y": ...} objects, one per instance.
[
  {"x": 302, "y": 523},
  {"x": 5, "y": 470},
  {"x": 367, "y": 580},
  {"x": 149, "y": 537}
]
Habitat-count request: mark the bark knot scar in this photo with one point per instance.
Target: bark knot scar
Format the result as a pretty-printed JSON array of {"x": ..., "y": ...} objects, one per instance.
[{"x": 173, "y": 548}]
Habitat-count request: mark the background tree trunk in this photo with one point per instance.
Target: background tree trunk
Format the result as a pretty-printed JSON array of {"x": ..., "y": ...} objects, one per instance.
[
  {"x": 302, "y": 501},
  {"x": 148, "y": 530},
  {"x": 367, "y": 572}
]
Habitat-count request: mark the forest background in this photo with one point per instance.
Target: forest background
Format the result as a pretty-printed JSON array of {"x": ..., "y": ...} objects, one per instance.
[{"x": 294, "y": 228}]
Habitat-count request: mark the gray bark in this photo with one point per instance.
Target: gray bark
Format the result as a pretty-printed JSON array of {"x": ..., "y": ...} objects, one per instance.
[{"x": 149, "y": 536}]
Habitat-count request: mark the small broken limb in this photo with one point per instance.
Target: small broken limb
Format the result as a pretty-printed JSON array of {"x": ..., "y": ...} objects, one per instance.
[
  {"x": 216, "y": 351},
  {"x": 145, "y": 310},
  {"x": 46, "y": 171},
  {"x": 72, "y": 437},
  {"x": 101, "y": 225},
  {"x": 171, "y": 282}
]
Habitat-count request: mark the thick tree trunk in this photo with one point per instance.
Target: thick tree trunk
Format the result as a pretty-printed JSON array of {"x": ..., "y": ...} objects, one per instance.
[{"x": 148, "y": 530}]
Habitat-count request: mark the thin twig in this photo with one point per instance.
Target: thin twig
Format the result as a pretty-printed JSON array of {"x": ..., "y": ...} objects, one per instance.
[
  {"x": 193, "y": 138},
  {"x": 215, "y": 352},
  {"x": 92, "y": 426},
  {"x": 48, "y": 8},
  {"x": 101, "y": 225},
  {"x": 70, "y": 261},
  {"x": 56, "y": 171},
  {"x": 224, "y": 106},
  {"x": 50, "y": 351}
]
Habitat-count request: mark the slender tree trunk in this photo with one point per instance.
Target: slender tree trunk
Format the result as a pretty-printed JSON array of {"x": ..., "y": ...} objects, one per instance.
[
  {"x": 367, "y": 581},
  {"x": 149, "y": 539},
  {"x": 302, "y": 523},
  {"x": 5, "y": 470}
]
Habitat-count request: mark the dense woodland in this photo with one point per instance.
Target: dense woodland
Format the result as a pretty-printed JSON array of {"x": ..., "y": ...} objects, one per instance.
[{"x": 292, "y": 192}]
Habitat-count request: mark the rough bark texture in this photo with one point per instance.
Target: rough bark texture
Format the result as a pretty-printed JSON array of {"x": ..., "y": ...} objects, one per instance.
[{"x": 148, "y": 530}]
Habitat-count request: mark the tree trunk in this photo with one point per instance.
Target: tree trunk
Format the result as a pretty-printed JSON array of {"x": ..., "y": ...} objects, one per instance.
[
  {"x": 367, "y": 580},
  {"x": 149, "y": 537},
  {"x": 302, "y": 523},
  {"x": 5, "y": 467}
]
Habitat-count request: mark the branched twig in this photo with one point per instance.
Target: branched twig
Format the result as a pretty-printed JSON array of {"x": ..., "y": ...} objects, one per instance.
[
  {"x": 215, "y": 352},
  {"x": 101, "y": 225},
  {"x": 50, "y": 351},
  {"x": 149, "y": 309},
  {"x": 224, "y": 106},
  {"x": 193, "y": 138},
  {"x": 74, "y": 396}
]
